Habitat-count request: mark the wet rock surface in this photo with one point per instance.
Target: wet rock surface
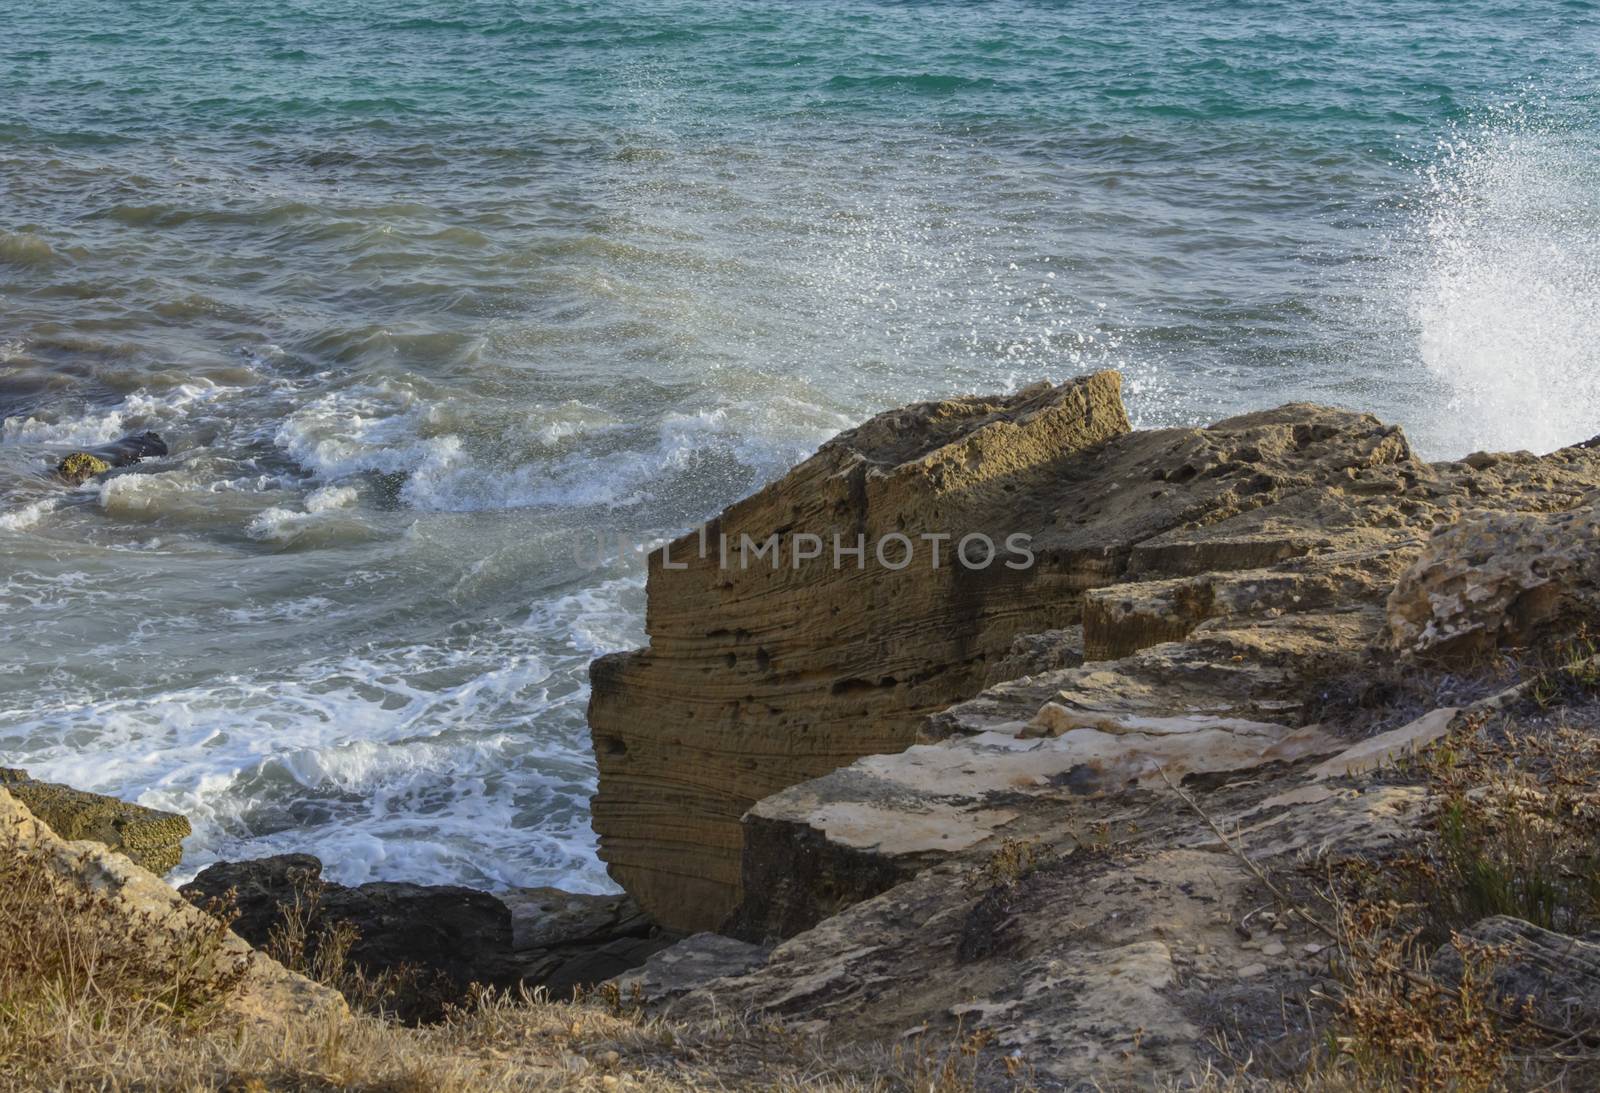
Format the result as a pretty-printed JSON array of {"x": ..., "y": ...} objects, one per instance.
[{"x": 76, "y": 468}]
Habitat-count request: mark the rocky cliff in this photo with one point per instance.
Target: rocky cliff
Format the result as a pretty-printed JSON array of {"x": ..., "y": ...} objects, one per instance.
[
  {"x": 767, "y": 667},
  {"x": 1220, "y": 568}
]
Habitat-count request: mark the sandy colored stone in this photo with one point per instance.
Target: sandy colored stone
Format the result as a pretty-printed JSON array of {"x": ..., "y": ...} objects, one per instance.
[
  {"x": 759, "y": 677},
  {"x": 269, "y": 993},
  {"x": 149, "y": 837},
  {"x": 1387, "y": 747},
  {"x": 1111, "y": 966},
  {"x": 1498, "y": 580},
  {"x": 1264, "y": 540}
]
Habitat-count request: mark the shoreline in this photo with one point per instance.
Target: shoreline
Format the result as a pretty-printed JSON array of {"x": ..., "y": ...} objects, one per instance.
[{"x": 1260, "y": 627}]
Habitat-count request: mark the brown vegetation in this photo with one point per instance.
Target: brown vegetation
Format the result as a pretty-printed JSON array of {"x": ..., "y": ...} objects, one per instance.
[{"x": 88, "y": 1001}]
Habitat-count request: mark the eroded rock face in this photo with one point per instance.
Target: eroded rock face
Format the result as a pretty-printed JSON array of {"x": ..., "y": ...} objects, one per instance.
[
  {"x": 1500, "y": 579},
  {"x": 1277, "y": 535},
  {"x": 147, "y": 836},
  {"x": 759, "y": 676}
]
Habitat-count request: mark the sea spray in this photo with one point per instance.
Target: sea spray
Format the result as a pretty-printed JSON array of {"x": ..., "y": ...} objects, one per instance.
[{"x": 1505, "y": 282}]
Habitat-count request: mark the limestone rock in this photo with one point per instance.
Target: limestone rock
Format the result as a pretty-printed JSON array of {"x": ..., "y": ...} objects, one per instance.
[
  {"x": 1497, "y": 580},
  {"x": 147, "y": 836},
  {"x": 1284, "y": 528},
  {"x": 1124, "y": 618},
  {"x": 1102, "y": 964},
  {"x": 761, "y": 675},
  {"x": 1167, "y": 712},
  {"x": 136, "y": 898},
  {"x": 1389, "y": 747},
  {"x": 692, "y": 963},
  {"x": 1031, "y": 654}
]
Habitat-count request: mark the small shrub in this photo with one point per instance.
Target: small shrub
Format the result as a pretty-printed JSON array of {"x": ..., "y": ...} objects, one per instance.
[
  {"x": 305, "y": 941},
  {"x": 1516, "y": 831},
  {"x": 1397, "y": 1027}
]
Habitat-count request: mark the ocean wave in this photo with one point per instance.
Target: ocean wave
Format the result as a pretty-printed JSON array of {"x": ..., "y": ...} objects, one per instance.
[
  {"x": 26, "y": 250},
  {"x": 140, "y": 410},
  {"x": 324, "y": 521},
  {"x": 415, "y": 762},
  {"x": 387, "y": 429},
  {"x": 28, "y": 515}
]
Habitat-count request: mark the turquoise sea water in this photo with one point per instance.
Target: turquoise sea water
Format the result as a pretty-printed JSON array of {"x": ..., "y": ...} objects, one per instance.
[{"x": 423, "y": 294}]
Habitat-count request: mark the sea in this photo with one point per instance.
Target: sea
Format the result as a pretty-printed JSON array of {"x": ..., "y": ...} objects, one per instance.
[{"x": 431, "y": 299}]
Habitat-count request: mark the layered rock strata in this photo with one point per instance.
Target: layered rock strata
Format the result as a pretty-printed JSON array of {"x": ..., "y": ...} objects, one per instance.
[{"x": 1182, "y": 587}]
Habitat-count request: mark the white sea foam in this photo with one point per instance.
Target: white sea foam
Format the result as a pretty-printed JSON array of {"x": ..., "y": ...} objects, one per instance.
[
  {"x": 142, "y": 409},
  {"x": 387, "y": 429},
  {"x": 1503, "y": 282},
  {"x": 283, "y": 524},
  {"x": 28, "y": 515},
  {"x": 374, "y": 762}
]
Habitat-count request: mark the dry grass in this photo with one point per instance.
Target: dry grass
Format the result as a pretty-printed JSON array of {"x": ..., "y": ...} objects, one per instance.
[
  {"x": 1514, "y": 830},
  {"x": 92, "y": 1000},
  {"x": 302, "y": 941}
]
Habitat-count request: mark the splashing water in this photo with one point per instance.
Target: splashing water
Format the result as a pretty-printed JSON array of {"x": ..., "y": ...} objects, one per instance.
[{"x": 1506, "y": 295}]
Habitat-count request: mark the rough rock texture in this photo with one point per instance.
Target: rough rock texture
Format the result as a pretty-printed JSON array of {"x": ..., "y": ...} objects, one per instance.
[
  {"x": 1023, "y": 764},
  {"x": 450, "y": 936},
  {"x": 269, "y": 993},
  {"x": 77, "y": 468},
  {"x": 759, "y": 676},
  {"x": 1557, "y": 976},
  {"x": 1213, "y": 573},
  {"x": 148, "y": 837},
  {"x": 1500, "y": 579},
  {"x": 562, "y": 941},
  {"x": 690, "y": 964},
  {"x": 1109, "y": 951}
]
